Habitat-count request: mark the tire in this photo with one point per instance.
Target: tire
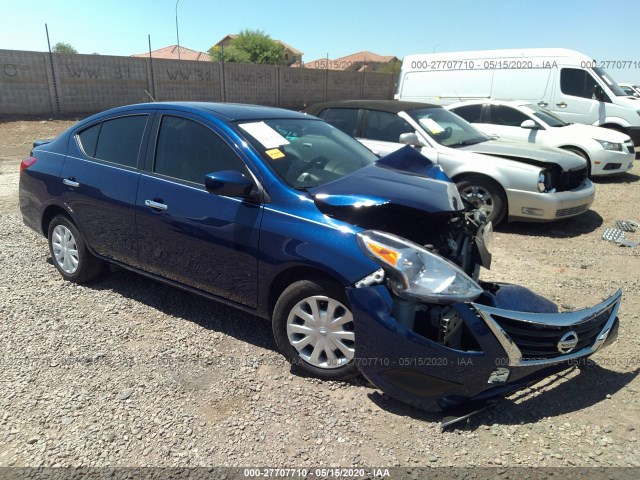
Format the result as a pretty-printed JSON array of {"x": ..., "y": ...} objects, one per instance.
[
  {"x": 486, "y": 195},
  {"x": 69, "y": 252},
  {"x": 581, "y": 154},
  {"x": 305, "y": 336}
]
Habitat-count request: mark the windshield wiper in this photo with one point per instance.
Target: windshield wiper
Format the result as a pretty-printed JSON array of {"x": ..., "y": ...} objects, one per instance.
[{"x": 466, "y": 143}]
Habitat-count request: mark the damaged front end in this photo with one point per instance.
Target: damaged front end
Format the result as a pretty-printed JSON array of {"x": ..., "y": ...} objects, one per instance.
[{"x": 429, "y": 333}]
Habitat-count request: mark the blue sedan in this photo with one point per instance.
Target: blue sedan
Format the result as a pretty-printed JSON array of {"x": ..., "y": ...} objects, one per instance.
[{"x": 363, "y": 265}]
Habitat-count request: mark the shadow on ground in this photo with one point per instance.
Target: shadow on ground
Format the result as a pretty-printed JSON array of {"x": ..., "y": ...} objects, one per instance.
[{"x": 591, "y": 386}]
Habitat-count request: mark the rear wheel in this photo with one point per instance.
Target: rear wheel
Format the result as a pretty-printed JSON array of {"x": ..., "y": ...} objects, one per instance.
[
  {"x": 69, "y": 252},
  {"x": 313, "y": 327},
  {"x": 485, "y": 195}
]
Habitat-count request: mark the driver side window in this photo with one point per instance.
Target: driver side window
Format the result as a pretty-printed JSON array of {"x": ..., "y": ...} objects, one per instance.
[
  {"x": 385, "y": 127},
  {"x": 188, "y": 150},
  {"x": 507, "y": 116}
]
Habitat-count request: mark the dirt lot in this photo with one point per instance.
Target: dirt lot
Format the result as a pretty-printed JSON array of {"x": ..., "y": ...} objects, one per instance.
[{"x": 129, "y": 372}]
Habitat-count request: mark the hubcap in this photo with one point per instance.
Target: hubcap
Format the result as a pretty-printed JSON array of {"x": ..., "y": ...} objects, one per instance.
[
  {"x": 321, "y": 330},
  {"x": 480, "y": 198},
  {"x": 65, "y": 249}
]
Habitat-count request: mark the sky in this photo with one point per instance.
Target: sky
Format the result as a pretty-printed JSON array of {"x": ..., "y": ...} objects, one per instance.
[{"x": 604, "y": 30}]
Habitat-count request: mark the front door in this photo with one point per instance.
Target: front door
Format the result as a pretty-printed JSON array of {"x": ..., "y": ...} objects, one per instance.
[{"x": 187, "y": 234}]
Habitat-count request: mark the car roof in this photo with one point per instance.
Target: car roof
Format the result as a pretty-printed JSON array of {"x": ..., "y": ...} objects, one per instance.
[
  {"x": 490, "y": 101},
  {"x": 391, "y": 106},
  {"x": 227, "y": 111}
]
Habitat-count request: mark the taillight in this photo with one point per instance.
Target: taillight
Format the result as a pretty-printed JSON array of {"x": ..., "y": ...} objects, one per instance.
[{"x": 27, "y": 162}]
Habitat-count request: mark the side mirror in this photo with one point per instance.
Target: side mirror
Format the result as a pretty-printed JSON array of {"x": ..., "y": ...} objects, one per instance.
[
  {"x": 530, "y": 124},
  {"x": 229, "y": 183},
  {"x": 598, "y": 93},
  {"x": 410, "y": 139}
]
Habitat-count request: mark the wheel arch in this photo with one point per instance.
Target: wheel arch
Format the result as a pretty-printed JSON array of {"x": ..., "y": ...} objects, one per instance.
[
  {"x": 294, "y": 274},
  {"x": 49, "y": 213}
]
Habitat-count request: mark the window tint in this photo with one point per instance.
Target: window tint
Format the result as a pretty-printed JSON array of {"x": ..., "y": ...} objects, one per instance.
[
  {"x": 345, "y": 119},
  {"x": 502, "y": 115},
  {"x": 471, "y": 113},
  {"x": 188, "y": 150},
  {"x": 576, "y": 82},
  {"x": 386, "y": 127},
  {"x": 119, "y": 140},
  {"x": 89, "y": 139}
]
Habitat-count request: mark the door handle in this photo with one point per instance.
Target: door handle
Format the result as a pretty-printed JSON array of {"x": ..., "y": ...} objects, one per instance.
[
  {"x": 70, "y": 182},
  {"x": 561, "y": 104},
  {"x": 543, "y": 104},
  {"x": 494, "y": 136},
  {"x": 156, "y": 205}
]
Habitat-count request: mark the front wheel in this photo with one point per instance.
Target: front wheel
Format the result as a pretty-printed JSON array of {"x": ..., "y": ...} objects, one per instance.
[
  {"x": 69, "y": 252},
  {"x": 313, "y": 327},
  {"x": 485, "y": 195}
]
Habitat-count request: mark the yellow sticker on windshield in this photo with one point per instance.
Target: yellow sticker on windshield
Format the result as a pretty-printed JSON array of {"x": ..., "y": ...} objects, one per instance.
[{"x": 274, "y": 153}]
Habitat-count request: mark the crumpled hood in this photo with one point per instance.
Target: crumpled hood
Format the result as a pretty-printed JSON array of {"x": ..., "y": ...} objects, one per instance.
[
  {"x": 526, "y": 153},
  {"x": 404, "y": 177}
]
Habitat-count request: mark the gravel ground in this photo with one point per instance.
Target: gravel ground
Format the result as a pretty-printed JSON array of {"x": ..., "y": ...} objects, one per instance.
[{"x": 129, "y": 372}]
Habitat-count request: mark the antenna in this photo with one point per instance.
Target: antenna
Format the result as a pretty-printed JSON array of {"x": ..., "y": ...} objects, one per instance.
[{"x": 152, "y": 99}]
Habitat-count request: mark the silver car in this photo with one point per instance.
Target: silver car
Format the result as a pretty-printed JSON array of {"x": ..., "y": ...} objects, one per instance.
[{"x": 503, "y": 179}]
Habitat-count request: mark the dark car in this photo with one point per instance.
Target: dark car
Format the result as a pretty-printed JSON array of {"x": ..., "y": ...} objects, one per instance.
[{"x": 361, "y": 264}]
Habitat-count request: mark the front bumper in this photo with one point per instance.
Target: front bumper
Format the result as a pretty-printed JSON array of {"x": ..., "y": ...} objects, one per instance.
[
  {"x": 538, "y": 207},
  {"x": 606, "y": 162},
  {"x": 517, "y": 347}
]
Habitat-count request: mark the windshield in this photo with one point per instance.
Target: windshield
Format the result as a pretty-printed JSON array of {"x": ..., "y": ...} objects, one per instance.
[
  {"x": 546, "y": 116},
  {"x": 306, "y": 153},
  {"x": 611, "y": 83},
  {"x": 447, "y": 128}
]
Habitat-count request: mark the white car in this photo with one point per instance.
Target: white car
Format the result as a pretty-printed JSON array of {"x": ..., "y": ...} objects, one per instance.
[
  {"x": 607, "y": 151},
  {"x": 505, "y": 180},
  {"x": 630, "y": 89}
]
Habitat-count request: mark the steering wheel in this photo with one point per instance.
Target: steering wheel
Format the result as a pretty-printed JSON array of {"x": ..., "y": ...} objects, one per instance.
[{"x": 318, "y": 162}]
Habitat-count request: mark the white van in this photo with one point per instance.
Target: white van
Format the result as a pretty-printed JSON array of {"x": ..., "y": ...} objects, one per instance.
[{"x": 567, "y": 82}]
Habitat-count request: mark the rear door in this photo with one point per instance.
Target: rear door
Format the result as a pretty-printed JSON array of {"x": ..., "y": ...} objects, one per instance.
[
  {"x": 185, "y": 233},
  {"x": 101, "y": 176}
]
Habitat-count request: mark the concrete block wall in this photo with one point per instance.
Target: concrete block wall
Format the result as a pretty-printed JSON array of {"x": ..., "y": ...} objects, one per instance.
[{"x": 39, "y": 83}]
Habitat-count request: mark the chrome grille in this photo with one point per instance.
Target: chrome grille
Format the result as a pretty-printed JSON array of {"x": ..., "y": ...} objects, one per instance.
[
  {"x": 566, "y": 212},
  {"x": 539, "y": 341}
]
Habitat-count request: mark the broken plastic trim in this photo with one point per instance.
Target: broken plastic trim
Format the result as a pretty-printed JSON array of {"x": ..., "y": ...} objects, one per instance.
[{"x": 567, "y": 319}]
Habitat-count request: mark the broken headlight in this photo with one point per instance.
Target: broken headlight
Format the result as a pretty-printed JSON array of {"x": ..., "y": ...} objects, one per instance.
[{"x": 415, "y": 273}]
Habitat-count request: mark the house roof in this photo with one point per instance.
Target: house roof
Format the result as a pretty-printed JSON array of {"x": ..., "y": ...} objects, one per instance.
[
  {"x": 345, "y": 63},
  {"x": 171, "y": 52}
]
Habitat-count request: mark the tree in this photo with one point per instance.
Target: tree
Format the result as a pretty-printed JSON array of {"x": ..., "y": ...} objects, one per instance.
[
  {"x": 250, "y": 46},
  {"x": 62, "y": 47}
]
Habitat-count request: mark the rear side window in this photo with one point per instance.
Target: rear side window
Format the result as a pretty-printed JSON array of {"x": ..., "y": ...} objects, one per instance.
[
  {"x": 576, "y": 82},
  {"x": 116, "y": 141},
  {"x": 188, "y": 150},
  {"x": 89, "y": 139},
  {"x": 471, "y": 113},
  {"x": 502, "y": 115},
  {"x": 345, "y": 119}
]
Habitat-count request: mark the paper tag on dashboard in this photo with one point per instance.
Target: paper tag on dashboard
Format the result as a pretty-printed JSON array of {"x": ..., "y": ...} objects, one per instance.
[
  {"x": 431, "y": 125},
  {"x": 274, "y": 154},
  {"x": 266, "y": 135}
]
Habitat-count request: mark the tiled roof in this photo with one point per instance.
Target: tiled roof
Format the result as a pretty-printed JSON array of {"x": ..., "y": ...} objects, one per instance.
[
  {"x": 348, "y": 62},
  {"x": 171, "y": 52}
]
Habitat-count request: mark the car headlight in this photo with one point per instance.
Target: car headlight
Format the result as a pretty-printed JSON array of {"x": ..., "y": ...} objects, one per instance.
[
  {"x": 615, "y": 147},
  {"x": 542, "y": 182},
  {"x": 416, "y": 273}
]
